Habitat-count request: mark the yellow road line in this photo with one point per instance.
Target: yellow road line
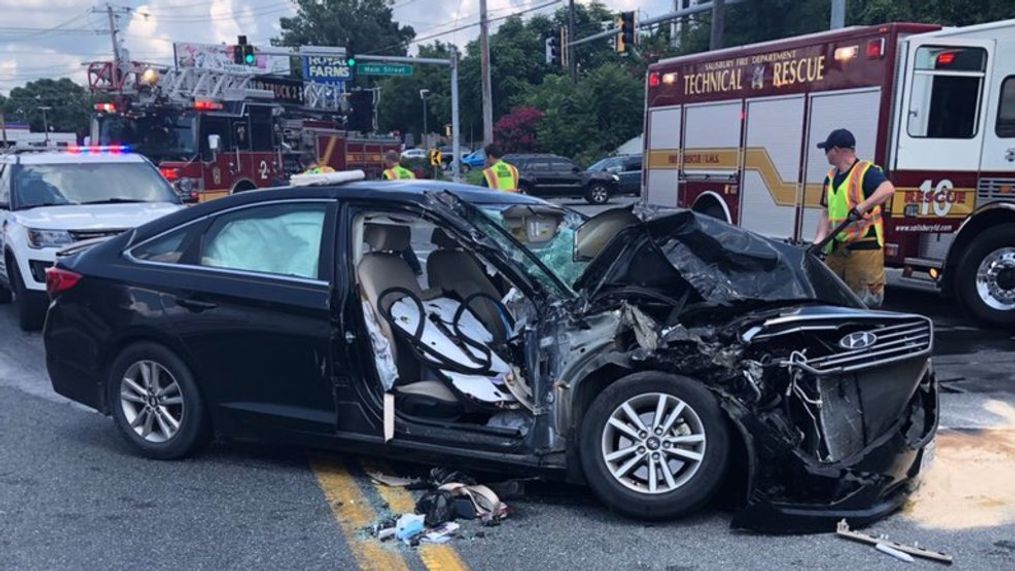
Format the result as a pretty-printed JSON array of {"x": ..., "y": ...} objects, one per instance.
[
  {"x": 436, "y": 557},
  {"x": 353, "y": 512}
]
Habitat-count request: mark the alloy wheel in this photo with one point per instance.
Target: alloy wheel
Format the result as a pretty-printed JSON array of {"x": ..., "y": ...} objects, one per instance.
[
  {"x": 653, "y": 443},
  {"x": 152, "y": 401}
]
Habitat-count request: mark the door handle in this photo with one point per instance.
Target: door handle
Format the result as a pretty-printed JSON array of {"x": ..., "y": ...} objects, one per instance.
[{"x": 195, "y": 305}]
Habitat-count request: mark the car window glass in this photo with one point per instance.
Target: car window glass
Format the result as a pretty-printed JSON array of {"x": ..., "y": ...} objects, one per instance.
[
  {"x": 283, "y": 239},
  {"x": 1006, "y": 109},
  {"x": 632, "y": 164},
  {"x": 538, "y": 166},
  {"x": 561, "y": 165},
  {"x": 167, "y": 249},
  {"x": 90, "y": 183}
]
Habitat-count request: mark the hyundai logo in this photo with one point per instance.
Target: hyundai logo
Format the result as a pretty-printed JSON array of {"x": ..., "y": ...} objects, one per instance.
[{"x": 858, "y": 340}]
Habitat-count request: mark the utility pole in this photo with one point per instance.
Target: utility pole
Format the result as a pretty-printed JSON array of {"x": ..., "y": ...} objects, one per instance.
[
  {"x": 113, "y": 12},
  {"x": 718, "y": 23},
  {"x": 838, "y": 15},
  {"x": 685, "y": 24},
  {"x": 45, "y": 121},
  {"x": 484, "y": 49},
  {"x": 572, "y": 62}
]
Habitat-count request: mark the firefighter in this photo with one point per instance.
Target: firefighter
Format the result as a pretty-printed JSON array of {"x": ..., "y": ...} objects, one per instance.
[
  {"x": 498, "y": 174},
  {"x": 854, "y": 190},
  {"x": 393, "y": 170},
  {"x": 311, "y": 166}
]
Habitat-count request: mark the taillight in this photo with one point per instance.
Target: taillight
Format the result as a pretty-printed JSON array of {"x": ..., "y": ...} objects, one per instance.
[{"x": 59, "y": 280}]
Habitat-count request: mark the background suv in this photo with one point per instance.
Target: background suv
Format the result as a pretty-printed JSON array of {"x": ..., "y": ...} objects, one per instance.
[
  {"x": 50, "y": 200},
  {"x": 626, "y": 167},
  {"x": 546, "y": 175}
]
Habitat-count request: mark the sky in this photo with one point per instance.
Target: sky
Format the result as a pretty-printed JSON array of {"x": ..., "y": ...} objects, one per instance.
[{"x": 53, "y": 38}]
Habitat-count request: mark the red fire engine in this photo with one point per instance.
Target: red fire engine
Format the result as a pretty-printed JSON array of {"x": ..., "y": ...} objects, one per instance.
[
  {"x": 215, "y": 133},
  {"x": 733, "y": 133}
]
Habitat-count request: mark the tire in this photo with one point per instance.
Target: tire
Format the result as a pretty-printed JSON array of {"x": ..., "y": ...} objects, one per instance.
[
  {"x": 701, "y": 417},
  {"x": 598, "y": 194},
  {"x": 466, "y": 169},
  {"x": 30, "y": 306},
  {"x": 185, "y": 404},
  {"x": 985, "y": 277},
  {"x": 5, "y": 295},
  {"x": 524, "y": 189}
]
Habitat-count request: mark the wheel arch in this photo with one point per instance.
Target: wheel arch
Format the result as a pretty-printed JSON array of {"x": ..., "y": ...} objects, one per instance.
[
  {"x": 984, "y": 218},
  {"x": 739, "y": 474},
  {"x": 243, "y": 185},
  {"x": 710, "y": 197}
]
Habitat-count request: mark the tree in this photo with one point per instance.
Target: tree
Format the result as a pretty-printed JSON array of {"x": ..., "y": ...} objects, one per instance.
[
  {"x": 516, "y": 131},
  {"x": 366, "y": 24},
  {"x": 69, "y": 103},
  {"x": 400, "y": 107}
]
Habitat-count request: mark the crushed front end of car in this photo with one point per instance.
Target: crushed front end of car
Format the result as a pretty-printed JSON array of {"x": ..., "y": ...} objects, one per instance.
[{"x": 835, "y": 404}]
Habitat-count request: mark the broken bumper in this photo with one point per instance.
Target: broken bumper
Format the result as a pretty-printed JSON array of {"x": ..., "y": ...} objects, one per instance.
[{"x": 808, "y": 496}]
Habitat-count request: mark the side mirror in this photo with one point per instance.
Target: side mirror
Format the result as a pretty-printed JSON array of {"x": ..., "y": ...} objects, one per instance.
[{"x": 214, "y": 143}]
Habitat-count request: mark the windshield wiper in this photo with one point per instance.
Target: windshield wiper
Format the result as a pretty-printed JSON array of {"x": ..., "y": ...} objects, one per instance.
[{"x": 114, "y": 201}]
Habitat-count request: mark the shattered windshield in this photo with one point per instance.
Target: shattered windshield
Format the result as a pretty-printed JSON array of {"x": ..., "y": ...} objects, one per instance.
[{"x": 547, "y": 232}]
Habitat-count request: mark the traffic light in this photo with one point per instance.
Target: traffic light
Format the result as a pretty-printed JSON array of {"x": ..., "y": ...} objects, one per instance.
[
  {"x": 627, "y": 36},
  {"x": 553, "y": 50},
  {"x": 350, "y": 56},
  {"x": 361, "y": 112},
  {"x": 243, "y": 53}
]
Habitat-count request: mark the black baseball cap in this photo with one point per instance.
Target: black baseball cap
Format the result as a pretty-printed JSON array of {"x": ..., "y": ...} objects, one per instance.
[{"x": 840, "y": 138}]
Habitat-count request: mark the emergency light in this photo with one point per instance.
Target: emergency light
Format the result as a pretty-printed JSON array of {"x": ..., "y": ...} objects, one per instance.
[
  {"x": 99, "y": 149},
  {"x": 105, "y": 107},
  {"x": 207, "y": 106},
  {"x": 654, "y": 79},
  {"x": 170, "y": 174}
]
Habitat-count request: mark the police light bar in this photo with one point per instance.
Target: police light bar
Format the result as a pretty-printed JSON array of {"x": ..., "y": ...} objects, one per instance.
[
  {"x": 100, "y": 149},
  {"x": 326, "y": 178},
  {"x": 105, "y": 107}
]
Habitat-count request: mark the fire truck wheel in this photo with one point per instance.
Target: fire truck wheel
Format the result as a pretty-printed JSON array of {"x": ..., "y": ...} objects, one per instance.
[
  {"x": 985, "y": 277},
  {"x": 711, "y": 209}
]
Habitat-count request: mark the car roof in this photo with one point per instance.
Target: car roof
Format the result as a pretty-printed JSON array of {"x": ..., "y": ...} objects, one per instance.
[
  {"x": 534, "y": 156},
  {"x": 64, "y": 158},
  {"x": 403, "y": 191}
]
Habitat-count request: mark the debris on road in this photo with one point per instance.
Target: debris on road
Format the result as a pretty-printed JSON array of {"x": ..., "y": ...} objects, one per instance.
[
  {"x": 892, "y": 548},
  {"x": 409, "y": 526},
  {"x": 442, "y": 533},
  {"x": 388, "y": 480}
]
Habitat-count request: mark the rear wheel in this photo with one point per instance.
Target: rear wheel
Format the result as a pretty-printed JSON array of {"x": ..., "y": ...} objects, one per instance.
[
  {"x": 598, "y": 194},
  {"x": 711, "y": 209},
  {"x": 985, "y": 277},
  {"x": 30, "y": 306},
  {"x": 654, "y": 446},
  {"x": 156, "y": 404}
]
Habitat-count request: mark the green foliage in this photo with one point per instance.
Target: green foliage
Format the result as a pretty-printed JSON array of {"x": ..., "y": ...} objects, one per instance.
[
  {"x": 400, "y": 106},
  {"x": 69, "y": 102},
  {"x": 367, "y": 24}
]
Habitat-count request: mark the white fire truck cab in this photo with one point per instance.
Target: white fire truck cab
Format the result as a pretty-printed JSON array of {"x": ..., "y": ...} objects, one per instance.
[{"x": 733, "y": 133}]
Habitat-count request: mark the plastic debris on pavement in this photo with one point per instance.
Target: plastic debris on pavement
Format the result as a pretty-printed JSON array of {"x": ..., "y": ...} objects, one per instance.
[
  {"x": 389, "y": 480},
  {"x": 409, "y": 526},
  {"x": 441, "y": 534}
]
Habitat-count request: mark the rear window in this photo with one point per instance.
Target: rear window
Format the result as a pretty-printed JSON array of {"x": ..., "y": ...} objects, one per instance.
[{"x": 90, "y": 183}]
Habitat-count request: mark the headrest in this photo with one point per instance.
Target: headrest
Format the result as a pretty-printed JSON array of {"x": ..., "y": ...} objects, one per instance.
[
  {"x": 442, "y": 240},
  {"x": 386, "y": 237}
]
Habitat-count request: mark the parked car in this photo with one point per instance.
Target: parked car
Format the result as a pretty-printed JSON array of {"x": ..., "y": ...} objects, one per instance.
[
  {"x": 551, "y": 176},
  {"x": 653, "y": 358},
  {"x": 628, "y": 171},
  {"x": 474, "y": 160},
  {"x": 415, "y": 154},
  {"x": 49, "y": 200}
]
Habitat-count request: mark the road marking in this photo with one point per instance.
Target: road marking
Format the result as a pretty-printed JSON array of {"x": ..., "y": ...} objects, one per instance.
[
  {"x": 353, "y": 512},
  {"x": 435, "y": 557}
]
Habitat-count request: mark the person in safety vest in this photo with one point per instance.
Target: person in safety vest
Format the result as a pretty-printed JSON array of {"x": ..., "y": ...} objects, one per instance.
[
  {"x": 311, "y": 166},
  {"x": 393, "y": 170},
  {"x": 854, "y": 190},
  {"x": 498, "y": 174}
]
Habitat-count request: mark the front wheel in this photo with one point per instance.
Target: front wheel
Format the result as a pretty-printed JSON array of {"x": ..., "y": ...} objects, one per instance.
[
  {"x": 654, "y": 446},
  {"x": 156, "y": 404},
  {"x": 30, "y": 305},
  {"x": 985, "y": 277},
  {"x": 598, "y": 194}
]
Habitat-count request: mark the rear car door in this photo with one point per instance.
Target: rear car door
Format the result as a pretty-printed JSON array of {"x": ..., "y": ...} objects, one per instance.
[
  {"x": 630, "y": 175},
  {"x": 253, "y": 310}
]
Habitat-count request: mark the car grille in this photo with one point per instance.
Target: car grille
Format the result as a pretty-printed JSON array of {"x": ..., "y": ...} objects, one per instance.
[
  {"x": 894, "y": 343},
  {"x": 79, "y": 235}
]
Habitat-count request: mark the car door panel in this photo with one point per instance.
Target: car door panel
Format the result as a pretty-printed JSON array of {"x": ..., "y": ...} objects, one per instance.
[{"x": 261, "y": 343}]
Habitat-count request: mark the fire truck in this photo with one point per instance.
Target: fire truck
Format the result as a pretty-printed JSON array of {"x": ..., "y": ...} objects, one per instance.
[
  {"x": 733, "y": 133},
  {"x": 215, "y": 133}
]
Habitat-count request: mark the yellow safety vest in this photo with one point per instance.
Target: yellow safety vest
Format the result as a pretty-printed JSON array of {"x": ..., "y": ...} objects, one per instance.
[
  {"x": 319, "y": 170},
  {"x": 844, "y": 198},
  {"x": 502, "y": 176},
  {"x": 398, "y": 172}
]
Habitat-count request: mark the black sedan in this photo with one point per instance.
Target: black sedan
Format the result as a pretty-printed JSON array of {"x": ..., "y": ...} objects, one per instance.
[{"x": 654, "y": 358}]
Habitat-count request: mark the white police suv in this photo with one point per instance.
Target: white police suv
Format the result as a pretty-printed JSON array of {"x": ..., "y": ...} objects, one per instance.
[{"x": 52, "y": 199}]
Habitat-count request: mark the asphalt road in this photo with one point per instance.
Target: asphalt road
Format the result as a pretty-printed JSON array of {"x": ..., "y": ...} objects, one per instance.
[{"x": 72, "y": 495}]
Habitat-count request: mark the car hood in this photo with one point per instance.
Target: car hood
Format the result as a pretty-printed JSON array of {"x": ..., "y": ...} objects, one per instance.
[
  {"x": 690, "y": 256},
  {"x": 94, "y": 216}
]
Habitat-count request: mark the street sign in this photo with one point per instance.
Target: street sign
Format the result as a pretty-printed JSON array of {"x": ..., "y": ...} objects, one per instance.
[
  {"x": 401, "y": 69},
  {"x": 435, "y": 157}
]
